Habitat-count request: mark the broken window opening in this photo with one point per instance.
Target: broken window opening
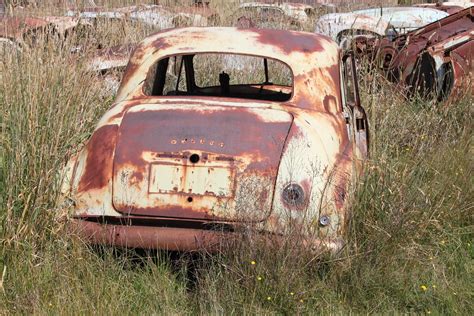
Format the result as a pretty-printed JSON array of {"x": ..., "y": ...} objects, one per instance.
[
  {"x": 349, "y": 84},
  {"x": 221, "y": 75}
]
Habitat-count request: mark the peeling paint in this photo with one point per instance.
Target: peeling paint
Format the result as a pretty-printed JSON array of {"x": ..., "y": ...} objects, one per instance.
[{"x": 220, "y": 159}]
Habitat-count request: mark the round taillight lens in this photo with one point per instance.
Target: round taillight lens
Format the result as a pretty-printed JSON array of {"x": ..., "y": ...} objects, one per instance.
[{"x": 293, "y": 194}]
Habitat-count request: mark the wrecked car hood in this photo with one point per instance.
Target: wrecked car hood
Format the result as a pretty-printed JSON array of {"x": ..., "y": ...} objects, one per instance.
[
  {"x": 16, "y": 27},
  {"x": 111, "y": 58}
]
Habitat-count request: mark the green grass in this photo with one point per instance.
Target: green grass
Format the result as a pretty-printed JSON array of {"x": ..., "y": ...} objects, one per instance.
[{"x": 410, "y": 249}]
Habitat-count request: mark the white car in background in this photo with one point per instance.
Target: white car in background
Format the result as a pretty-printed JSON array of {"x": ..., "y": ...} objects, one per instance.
[{"x": 388, "y": 21}]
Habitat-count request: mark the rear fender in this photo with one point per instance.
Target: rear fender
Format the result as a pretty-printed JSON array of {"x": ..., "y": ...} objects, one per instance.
[
  {"x": 316, "y": 166},
  {"x": 90, "y": 174}
]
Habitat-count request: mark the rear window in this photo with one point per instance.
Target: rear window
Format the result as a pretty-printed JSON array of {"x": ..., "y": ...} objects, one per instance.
[{"x": 220, "y": 75}]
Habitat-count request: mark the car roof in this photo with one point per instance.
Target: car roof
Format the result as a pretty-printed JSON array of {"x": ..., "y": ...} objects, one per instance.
[
  {"x": 310, "y": 56},
  {"x": 276, "y": 43}
]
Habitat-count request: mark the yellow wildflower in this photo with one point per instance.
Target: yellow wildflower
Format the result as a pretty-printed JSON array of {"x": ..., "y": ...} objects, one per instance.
[
  {"x": 434, "y": 286},
  {"x": 428, "y": 312},
  {"x": 424, "y": 287},
  {"x": 291, "y": 293},
  {"x": 269, "y": 298},
  {"x": 253, "y": 262},
  {"x": 259, "y": 278},
  {"x": 301, "y": 301}
]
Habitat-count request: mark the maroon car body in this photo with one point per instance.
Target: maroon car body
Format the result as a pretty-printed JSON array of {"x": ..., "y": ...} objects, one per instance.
[{"x": 435, "y": 60}]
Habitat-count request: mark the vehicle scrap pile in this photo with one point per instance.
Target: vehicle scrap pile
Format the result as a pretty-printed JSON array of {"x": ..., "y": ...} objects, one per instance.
[
  {"x": 16, "y": 28},
  {"x": 159, "y": 16},
  {"x": 436, "y": 60},
  {"x": 21, "y": 31},
  {"x": 426, "y": 50}
]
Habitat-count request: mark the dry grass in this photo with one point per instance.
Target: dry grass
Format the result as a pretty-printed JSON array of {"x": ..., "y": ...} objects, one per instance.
[{"x": 411, "y": 241}]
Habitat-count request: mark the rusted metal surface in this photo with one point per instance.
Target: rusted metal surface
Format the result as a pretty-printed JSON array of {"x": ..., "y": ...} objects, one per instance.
[
  {"x": 167, "y": 238},
  {"x": 449, "y": 7},
  {"x": 111, "y": 58},
  {"x": 109, "y": 64},
  {"x": 154, "y": 15},
  {"x": 16, "y": 27},
  {"x": 224, "y": 158},
  {"x": 384, "y": 21},
  {"x": 163, "y": 235},
  {"x": 436, "y": 60},
  {"x": 19, "y": 29}
]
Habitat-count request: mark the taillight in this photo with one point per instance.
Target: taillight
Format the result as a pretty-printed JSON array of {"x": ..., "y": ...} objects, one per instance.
[{"x": 293, "y": 194}]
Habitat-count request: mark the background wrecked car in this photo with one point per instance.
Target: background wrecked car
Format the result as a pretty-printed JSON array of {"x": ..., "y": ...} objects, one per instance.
[
  {"x": 376, "y": 22},
  {"x": 156, "y": 16},
  {"x": 277, "y": 14},
  {"x": 433, "y": 61}
]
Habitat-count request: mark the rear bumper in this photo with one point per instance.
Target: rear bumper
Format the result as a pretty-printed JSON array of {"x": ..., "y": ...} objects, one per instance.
[
  {"x": 149, "y": 237},
  {"x": 177, "y": 238}
]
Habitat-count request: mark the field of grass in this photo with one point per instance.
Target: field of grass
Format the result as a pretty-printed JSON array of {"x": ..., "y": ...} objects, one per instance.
[{"x": 410, "y": 249}]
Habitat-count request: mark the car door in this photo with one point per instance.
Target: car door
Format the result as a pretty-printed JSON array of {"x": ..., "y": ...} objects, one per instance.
[{"x": 356, "y": 116}]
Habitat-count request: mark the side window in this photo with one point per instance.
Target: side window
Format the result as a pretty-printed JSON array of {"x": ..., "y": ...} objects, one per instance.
[
  {"x": 175, "y": 77},
  {"x": 349, "y": 81},
  {"x": 167, "y": 77},
  {"x": 249, "y": 12},
  {"x": 350, "y": 85},
  {"x": 354, "y": 113},
  {"x": 271, "y": 14}
]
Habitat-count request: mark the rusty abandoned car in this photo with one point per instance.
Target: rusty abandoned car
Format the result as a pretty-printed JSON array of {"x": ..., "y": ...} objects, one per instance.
[
  {"x": 17, "y": 33},
  {"x": 204, "y": 138},
  {"x": 434, "y": 61},
  {"x": 152, "y": 15}
]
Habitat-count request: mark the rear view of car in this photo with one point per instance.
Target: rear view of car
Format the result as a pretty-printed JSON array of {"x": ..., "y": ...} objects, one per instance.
[{"x": 266, "y": 131}]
